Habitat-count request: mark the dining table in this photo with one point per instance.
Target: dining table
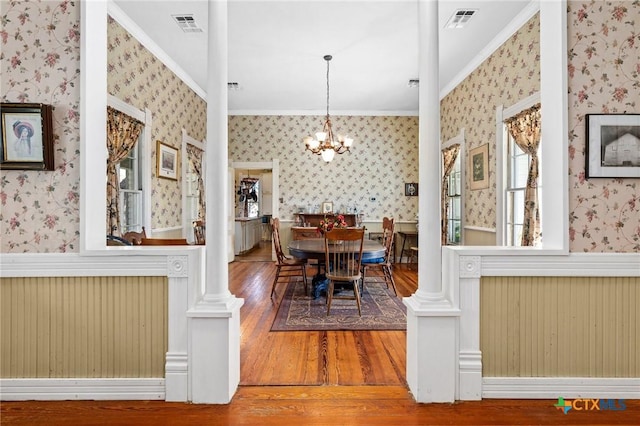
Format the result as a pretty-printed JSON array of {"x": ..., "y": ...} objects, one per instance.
[{"x": 314, "y": 249}]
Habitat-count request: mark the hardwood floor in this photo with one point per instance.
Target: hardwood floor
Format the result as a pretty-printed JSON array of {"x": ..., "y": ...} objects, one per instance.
[
  {"x": 316, "y": 357},
  {"x": 317, "y": 378}
]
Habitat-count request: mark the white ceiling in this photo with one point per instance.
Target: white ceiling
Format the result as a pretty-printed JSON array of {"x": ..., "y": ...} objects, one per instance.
[{"x": 276, "y": 49}]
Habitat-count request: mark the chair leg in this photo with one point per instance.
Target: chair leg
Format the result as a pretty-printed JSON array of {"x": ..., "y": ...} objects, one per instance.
[
  {"x": 304, "y": 277},
  {"x": 356, "y": 291},
  {"x": 388, "y": 276},
  {"x": 329, "y": 296},
  {"x": 275, "y": 281}
]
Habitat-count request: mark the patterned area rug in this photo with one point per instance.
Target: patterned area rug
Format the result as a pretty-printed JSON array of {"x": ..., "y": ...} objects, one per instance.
[{"x": 381, "y": 310}]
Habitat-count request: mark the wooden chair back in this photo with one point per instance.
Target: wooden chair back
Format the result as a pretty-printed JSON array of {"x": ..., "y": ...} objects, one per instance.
[
  {"x": 343, "y": 253},
  {"x": 199, "y": 232},
  {"x": 135, "y": 238},
  {"x": 388, "y": 226},
  {"x": 164, "y": 242},
  {"x": 275, "y": 236}
]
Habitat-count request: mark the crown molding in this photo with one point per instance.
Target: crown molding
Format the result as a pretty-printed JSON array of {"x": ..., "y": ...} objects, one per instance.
[
  {"x": 128, "y": 24},
  {"x": 527, "y": 13},
  {"x": 324, "y": 113}
]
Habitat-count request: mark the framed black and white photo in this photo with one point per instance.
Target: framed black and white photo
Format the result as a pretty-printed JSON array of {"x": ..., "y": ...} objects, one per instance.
[
  {"x": 27, "y": 137},
  {"x": 167, "y": 161},
  {"x": 612, "y": 146}
]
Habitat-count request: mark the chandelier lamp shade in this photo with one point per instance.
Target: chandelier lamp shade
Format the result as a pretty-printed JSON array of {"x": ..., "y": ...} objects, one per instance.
[{"x": 325, "y": 143}]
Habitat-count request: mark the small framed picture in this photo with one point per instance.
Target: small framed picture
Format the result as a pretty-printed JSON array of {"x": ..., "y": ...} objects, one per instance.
[
  {"x": 167, "y": 161},
  {"x": 613, "y": 146},
  {"x": 327, "y": 207},
  {"x": 479, "y": 167},
  {"x": 27, "y": 137},
  {"x": 411, "y": 189}
]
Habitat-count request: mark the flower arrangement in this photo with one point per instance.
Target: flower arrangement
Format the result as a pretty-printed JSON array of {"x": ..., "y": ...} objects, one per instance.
[{"x": 327, "y": 224}]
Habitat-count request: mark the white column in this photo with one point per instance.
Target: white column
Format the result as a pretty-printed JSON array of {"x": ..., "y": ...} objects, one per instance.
[
  {"x": 215, "y": 318},
  {"x": 431, "y": 316}
]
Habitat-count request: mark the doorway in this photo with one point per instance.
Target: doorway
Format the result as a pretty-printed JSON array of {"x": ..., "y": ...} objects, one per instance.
[{"x": 268, "y": 175}]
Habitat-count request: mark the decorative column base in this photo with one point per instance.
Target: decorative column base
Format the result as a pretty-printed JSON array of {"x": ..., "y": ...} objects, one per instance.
[
  {"x": 470, "y": 375},
  {"x": 176, "y": 377},
  {"x": 214, "y": 341},
  {"x": 431, "y": 350}
]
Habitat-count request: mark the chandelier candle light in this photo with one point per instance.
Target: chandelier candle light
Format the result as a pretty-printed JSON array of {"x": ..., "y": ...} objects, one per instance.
[{"x": 324, "y": 143}]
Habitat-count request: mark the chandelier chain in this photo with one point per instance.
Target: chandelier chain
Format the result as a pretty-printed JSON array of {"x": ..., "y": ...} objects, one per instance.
[{"x": 327, "y": 88}]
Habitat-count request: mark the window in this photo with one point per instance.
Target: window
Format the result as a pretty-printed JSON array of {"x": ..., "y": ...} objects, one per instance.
[
  {"x": 516, "y": 182},
  {"x": 454, "y": 216},
  {"x": 193, "y": 194},
  {"x": 129, "y": 172}
]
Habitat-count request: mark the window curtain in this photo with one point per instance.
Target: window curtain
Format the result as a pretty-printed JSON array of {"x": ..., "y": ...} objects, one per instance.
[
  {"x": 525, "y": 130},
  {"x": 449, "y": 156},
  {"x": 194, "y": 155},
  {"x": 123, "y": 132}
]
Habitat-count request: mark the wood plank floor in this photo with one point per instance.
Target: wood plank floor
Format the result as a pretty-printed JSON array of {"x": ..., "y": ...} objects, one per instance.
[
  {"x": 312, "y": 357},
  {"x": 317, "y": 378}
]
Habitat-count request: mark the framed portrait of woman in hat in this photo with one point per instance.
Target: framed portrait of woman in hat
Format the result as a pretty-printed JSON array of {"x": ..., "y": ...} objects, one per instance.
[{"x": 27, "y": 138}]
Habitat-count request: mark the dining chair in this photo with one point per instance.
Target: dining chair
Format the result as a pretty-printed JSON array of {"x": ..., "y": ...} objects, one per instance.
[
  {"x": 343, "y": 253},
  {"x": 383, "y": 264},
  {"x": 135, "y": 238},
  {"x": 199, "y": 232},
  {"x": 286, "y": 267}
]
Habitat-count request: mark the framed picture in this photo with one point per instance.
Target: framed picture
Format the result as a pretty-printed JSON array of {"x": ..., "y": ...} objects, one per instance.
[
  {"x": 327, "y": 207},
  {"x": 27, "y": 137},
  {"x": 411, "y": 189},
  {"x": 613, "y": 146},
  {"x": 167, "y": 161},
  {"x": 479, "y": 167}
]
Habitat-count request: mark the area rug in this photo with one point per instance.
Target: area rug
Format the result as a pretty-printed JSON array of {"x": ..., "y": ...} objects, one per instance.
[{"x": 381, "y": 310}]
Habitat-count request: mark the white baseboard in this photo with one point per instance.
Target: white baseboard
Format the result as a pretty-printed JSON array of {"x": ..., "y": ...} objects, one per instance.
[
  {"x": 77, "y": 389},
  {"x": 554, "y": 387}
]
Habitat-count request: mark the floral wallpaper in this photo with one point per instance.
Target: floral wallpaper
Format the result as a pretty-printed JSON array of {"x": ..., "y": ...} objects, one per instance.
[
  {"x": 140, "y": 79},
  {"x": 384, "y": 156},
  {"x": 510, "y": 74},
  {"x": 40, "y": 63},
  {"x": 604, "y": 77}
]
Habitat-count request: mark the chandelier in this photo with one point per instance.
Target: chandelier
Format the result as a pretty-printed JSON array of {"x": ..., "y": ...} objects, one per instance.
[{"x": 325, "y": 144}]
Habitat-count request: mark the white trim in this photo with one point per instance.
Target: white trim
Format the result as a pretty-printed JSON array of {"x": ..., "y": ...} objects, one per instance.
[
  {"x": 480, "y": 228},
  {"x": 521, "y": 105},
  {"x": 324, "y": 112},
  {"x": 82, "y": 389},
  {"x": 573, "y": 265},
  {"x": 126, "y": 108},
  {"x": 501, "y": 173},
  {"x": 527, "y": 13},
  {"x": 169, "y": 229},
  {"x": 128, "y": 24},
  {"x": 554, "y": 151},
  {"x": 554, "y": 387}
]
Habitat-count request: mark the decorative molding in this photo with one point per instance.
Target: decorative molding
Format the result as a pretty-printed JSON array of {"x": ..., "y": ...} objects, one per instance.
[
  {"x": 177, "y": 266},
  {"x": 577, "y": 265},
  {"x": 470, "y": 370},
  {"x": 82, "y": 389},
  {"x": 121, "y": 261},
  {"x": 481, "y": 229},
  {"x": 470, "y": 267},
  {"x": 553, "y": 387},
  {"x": 240, "y": 112},
  {"x": 177, "y": 376}
]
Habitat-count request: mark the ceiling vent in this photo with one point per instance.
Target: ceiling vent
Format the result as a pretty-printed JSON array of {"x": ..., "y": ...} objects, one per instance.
[
  {"x": 414, "y": 82},
  {"x": 233, "y": 86},
  {"x": 460, "y": 18},
  {"x": 187, "y": 23}
]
